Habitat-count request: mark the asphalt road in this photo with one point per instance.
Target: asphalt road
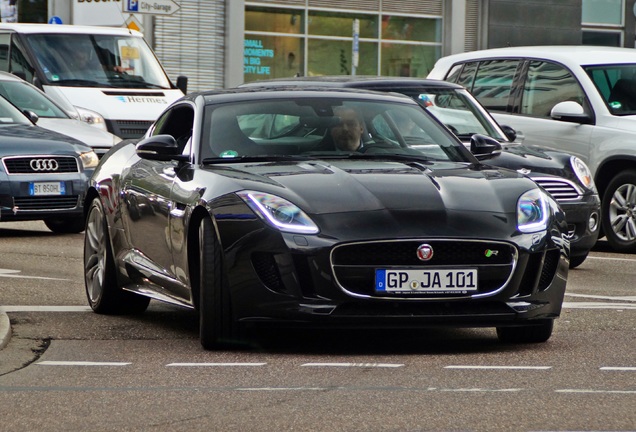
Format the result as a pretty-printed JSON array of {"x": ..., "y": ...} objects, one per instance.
[{"x": 66, "y": 368}]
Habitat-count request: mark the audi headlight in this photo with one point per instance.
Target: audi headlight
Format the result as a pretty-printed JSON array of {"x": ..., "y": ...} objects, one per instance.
[
  {"x": 92, "y": 118},
  {"x": 583, "y": 173},
  {"x": 279, "y": 212},
  {"x": 89, "y": 159},
  {"x": 532, "y": 211}
]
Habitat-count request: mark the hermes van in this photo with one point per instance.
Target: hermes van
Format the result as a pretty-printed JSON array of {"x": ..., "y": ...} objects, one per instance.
[{"x": 110, "y": 75}]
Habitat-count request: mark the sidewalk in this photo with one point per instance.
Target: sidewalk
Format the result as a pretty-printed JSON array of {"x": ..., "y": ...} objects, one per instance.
[{"x": 5, "y": 329}]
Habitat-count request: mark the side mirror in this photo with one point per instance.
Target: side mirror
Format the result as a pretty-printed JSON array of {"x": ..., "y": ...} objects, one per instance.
[
  {"x": 160, "y": 148},
  {"x": 31, "y": 115},
  {"x": 570, "y": 111},
  {"x": 510, "y": 133},
  {"x": 481, "y": 145},
  {"x": 182, "y": 83}
]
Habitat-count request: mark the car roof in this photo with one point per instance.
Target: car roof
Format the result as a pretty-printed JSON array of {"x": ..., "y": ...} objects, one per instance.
[
  {"x": 282, "y": 92},
  {"x": 6, "y": 76},
  {"x": 358, "y": 81},
  {"x": 566, "y": 54},
  {"x": 67, "y": 28}
]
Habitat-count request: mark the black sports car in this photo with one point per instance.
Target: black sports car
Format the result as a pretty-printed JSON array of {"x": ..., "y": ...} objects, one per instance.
[
  {"x": 566, "y": 177},
  {"x": 43, "y": 174},
  {"x": 245, "y": 206}
]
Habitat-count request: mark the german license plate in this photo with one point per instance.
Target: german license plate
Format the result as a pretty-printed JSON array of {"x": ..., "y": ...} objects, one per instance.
[
  {"x": 429, "y": 281},
  {"x": 47, "y": 188}
]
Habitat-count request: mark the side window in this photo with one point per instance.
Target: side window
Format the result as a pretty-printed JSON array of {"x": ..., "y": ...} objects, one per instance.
[
  {"x": 177, "y": 122},
  {"x": 5, "y": 40},
  {"x": 546, "y": 85},
  {"x": 20, "y": 64},
  {"x": 493, "y": 83},
  {"x": 467, "y": 75}
]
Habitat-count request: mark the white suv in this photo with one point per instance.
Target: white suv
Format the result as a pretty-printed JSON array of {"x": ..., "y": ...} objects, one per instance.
[{"x": 576, "y": 99}]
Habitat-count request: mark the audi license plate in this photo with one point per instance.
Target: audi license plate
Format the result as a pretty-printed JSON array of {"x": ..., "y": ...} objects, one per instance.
[
  {"x": 47, "y": 188},
  {"x": 430, "y": 281}
]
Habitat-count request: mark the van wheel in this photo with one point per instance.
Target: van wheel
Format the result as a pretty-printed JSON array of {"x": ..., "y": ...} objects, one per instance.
[{"x": 619, "y": 212}]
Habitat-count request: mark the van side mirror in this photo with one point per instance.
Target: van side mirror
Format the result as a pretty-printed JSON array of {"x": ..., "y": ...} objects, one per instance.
[
  {"x": 570, "y": 111},
  {"x": 182, "y": 83}
]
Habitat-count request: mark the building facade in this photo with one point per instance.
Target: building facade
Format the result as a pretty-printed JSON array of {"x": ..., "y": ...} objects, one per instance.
[{"x": 223, "y": 43}]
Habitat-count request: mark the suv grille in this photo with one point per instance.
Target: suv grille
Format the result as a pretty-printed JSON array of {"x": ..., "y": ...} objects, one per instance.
[
  {"x": 354, "y": 264},
  {"x": 561, "y": 189},
  {"x": 40, "y": 164}
]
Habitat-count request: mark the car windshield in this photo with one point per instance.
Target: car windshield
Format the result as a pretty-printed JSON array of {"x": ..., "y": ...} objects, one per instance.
[
  {"x": 86, "y": 60},
  {"x": 617, "y": 86},
  {"x": 325, "y": 127},
  {"x": 10, "y": 115},
  {"x": 26, "y": 97},
  {"x": 458, "y": 111}
]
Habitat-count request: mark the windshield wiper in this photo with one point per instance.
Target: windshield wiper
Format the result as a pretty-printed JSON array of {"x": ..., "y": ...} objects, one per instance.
[
  {"x": 251, "y": 158},
  {"x": 81, "y": 83}
]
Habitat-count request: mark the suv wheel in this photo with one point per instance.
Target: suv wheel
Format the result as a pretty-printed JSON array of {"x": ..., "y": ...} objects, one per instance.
[{"x": 619, "y": 212}]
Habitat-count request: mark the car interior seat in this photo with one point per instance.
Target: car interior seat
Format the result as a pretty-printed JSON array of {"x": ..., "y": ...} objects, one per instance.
[{"x": 624, "y": 92}]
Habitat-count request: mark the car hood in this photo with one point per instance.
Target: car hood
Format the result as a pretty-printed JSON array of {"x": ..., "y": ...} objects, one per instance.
[
  {"x": 530, "y": 159},
  {"x": 81, "y": 131},
  {"x": 327, "y": 187},
  {"x": 29, "y": 139}
]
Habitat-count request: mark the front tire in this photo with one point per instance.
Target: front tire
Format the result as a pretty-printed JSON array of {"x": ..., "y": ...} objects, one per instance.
[
  {"x": 217, "y": 328},
  {"x": 619, "y": 212},
  {"x": 531, "y": 333},
  {"x": 576, "y": 261},
  {"x": 100, "y": 278}
]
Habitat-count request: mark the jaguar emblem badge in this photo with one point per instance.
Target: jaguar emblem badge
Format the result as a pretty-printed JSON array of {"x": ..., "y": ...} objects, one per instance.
[{"x": 424, "y": 252}]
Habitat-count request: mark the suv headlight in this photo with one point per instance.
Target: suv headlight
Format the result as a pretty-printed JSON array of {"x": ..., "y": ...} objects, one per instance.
[
  {"x": 89, "y": 159},
  {"x": 532, "y": 211},
  {"x": 583, "y": 173},
  {"x": 92, "y": 118},
  {"x": 279, "y": 212}
]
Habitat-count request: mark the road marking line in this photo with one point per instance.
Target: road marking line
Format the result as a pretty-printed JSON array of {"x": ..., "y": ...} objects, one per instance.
[
  {"x": 45, "y": 309},
  {"x": 599, "y": 297},
  {"x": 500, "y": 367},
  {"x": 596, "y": 391},
  {"x": 370, "y": 365},
  {"x": 616, "y": 368},
  {"x": 216, "y": 364},
  {"x": 598, "y": 305},
  {"x": 610, "y": 259},
  {"x": 282, "y": 388},
  {"x": 481, "y": 390},
  {"x": 13, "y": 274},
  {"x": 81, "y": 363}
]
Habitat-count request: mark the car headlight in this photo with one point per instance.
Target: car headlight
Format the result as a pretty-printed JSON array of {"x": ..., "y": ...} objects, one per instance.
[
  {"x": 89, "y": 159},
  {"x": 92, "y": 118},
  {"x": 532, "y": 211},
  {"x": 279, "y": 212},
  {"x": 582, "y": 172}
]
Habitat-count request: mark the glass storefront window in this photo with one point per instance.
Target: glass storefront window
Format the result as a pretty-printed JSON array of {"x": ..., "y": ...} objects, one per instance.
[
  {"x": 333, "y": 57},
  {"x": 339, "y": 24},
  {"x": 408, "y": 60},
  {"x": 411, "y": 29},
  {"x": 603, "y": 38},
  {"x": 274, "y": 20},
  {"x": 268, "y": 57}
]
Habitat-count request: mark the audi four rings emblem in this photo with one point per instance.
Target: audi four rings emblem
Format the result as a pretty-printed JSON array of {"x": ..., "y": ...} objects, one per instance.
[
  {"x": 44, "y": 165},
  {"x": 424, "y": 252}
]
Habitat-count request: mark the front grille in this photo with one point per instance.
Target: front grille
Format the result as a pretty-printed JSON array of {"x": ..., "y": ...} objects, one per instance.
[
  {"x": 127, "y": 129},
  {"x": 42, "y": 164},
  {"x": 354, "y": 264},
  {"x": 561, "y": 189},
  {"x": 68, "y": 202}
]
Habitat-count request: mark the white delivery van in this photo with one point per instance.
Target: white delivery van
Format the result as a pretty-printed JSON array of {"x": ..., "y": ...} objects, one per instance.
[{"x": 111, "y": 75}]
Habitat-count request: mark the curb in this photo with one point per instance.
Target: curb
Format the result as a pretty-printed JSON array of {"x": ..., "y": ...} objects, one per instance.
[{"x": 5, "y": 329}]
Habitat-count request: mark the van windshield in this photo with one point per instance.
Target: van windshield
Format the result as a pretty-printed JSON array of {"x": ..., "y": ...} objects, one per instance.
[{"x": 87, "y": 60}]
